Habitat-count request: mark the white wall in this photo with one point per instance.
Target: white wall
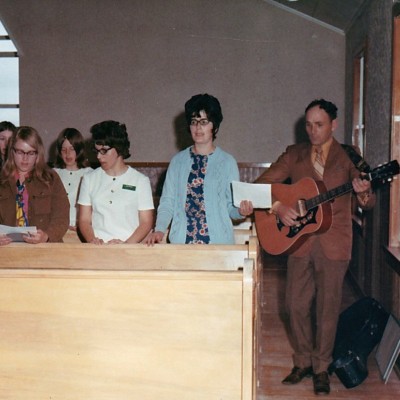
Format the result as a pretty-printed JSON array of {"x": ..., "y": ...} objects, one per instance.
[{"x": 138, "y": 61}]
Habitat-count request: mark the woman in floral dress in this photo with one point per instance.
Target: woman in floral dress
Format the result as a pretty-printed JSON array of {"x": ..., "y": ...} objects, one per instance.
[{"x": 196, "y": 201}]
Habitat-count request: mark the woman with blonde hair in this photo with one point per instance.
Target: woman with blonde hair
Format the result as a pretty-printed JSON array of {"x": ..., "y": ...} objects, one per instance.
[{"x": 31, "y": 193}]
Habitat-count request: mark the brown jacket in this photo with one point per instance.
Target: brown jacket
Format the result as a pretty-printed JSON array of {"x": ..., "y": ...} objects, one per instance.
[
  {"x": 295, "y": 164},
  {"x": 48, "y": 207}
]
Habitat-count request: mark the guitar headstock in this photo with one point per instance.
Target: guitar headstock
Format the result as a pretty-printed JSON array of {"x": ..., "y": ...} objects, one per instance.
[{"x": 384, "y": 173}]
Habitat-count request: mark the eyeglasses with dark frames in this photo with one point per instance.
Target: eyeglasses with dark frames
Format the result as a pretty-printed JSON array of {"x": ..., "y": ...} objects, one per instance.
[
  {"x": 103, "y": 151},
  {"x": 22, "y": 153},
  {"x": 202, "y": 122}
]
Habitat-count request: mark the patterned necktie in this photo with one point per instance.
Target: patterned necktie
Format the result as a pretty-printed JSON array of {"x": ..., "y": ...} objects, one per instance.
[
  {"x": 318, "y": 163},
  {"x": 22, "y": 220}
]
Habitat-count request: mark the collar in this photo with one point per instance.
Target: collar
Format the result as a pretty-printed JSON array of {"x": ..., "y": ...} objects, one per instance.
[{"x": 325, "y": 149}]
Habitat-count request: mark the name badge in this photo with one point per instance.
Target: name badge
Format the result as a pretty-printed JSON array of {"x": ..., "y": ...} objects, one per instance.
[{"x": 129, "y": 187}]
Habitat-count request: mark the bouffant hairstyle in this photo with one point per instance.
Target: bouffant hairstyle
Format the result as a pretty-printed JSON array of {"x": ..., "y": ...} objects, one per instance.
[
  {"x": 207, "y": 103},
  {"x": 112, "y": 134}
]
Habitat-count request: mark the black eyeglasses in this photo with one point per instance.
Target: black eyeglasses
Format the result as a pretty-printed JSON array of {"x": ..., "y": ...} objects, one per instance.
[
  {"x": 22, "y": 153},
  {"x": 103, "y": 151},
  {"x": 202, "y": 122}
]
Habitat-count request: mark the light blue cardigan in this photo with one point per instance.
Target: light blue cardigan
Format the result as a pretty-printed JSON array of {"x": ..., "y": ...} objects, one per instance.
[{"x": 222, "y": 169}]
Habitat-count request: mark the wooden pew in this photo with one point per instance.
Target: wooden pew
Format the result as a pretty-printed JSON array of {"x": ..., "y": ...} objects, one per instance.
[
  {"x": 242, "y": 232},
  {"x": 80, "y": 321}
]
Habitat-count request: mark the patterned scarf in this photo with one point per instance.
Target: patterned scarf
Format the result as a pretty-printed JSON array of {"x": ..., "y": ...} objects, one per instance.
[{"x": 22, "y": 219}]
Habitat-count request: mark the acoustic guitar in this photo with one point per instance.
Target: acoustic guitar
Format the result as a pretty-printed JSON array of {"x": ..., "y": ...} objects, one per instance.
[{"x": 312, "y": 201}]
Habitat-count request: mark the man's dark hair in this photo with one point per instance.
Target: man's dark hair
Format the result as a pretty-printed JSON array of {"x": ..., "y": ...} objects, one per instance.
[{"x": 325, "y": 105}]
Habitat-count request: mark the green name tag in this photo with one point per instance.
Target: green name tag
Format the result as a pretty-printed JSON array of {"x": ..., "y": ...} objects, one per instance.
[{"x": 128, "y": 187}]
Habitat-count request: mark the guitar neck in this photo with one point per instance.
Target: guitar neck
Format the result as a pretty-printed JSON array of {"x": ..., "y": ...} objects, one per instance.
[{"x": 328, "y": 195}]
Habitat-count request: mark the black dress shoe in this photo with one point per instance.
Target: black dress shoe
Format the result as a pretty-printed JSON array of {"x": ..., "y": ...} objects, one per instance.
[
  {"x": 321, "y": 383},
  {"x": 297, "y": 375}
]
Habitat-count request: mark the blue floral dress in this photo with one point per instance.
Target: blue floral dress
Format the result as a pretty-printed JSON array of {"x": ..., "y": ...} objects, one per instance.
[{"x": 197, "y": 229}]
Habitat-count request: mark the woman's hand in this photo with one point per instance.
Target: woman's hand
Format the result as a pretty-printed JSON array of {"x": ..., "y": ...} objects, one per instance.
[
  {"x": 96, "y": 240},
  {"x": 4, "y": 240},
  {"x": 35, "y": 238},
  {"x": 115, "y": 241},
  {"x": 246, "y": 208},
  {"x": 154, "y": 237}
]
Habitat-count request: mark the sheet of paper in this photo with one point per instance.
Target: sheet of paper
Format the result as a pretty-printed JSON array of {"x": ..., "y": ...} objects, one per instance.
[
  {"x": 258, "y": 193},
  {"x": 16, "y": 232}
]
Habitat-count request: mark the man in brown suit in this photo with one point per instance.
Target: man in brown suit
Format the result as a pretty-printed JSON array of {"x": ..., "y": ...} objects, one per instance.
[{"x": 317, "y": 268}]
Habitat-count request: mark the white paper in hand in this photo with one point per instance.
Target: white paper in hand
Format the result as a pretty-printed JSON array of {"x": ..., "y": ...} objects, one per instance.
[
  {"x": 258, "y": 193},
  {"x": 16, "y": 233}
]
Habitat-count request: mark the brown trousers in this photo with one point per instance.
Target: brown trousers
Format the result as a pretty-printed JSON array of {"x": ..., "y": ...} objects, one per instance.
[{"x": 308, "y": 278}]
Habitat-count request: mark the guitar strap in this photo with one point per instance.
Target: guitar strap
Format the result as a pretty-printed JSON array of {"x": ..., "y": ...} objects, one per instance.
[{"x": 357, "y": 160}]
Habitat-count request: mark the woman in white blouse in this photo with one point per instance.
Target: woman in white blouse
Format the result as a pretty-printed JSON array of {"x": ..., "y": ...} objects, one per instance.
[
  {"x": 71, "y": 165},
  {"x": 115, "y": 200}
]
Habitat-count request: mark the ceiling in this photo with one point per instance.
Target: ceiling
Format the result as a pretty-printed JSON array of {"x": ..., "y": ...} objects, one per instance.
[{"x": 334, "y": 14}]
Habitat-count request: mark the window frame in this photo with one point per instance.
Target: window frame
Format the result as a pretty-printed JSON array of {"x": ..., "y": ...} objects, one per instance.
[
  {"x": 10, "y": 52},
  {"x": 358, "y": 132},
  {"x": 358, "y": 126}
]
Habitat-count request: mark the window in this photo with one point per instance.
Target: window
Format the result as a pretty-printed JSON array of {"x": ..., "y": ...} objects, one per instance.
[{"x": 9, "y": 79}]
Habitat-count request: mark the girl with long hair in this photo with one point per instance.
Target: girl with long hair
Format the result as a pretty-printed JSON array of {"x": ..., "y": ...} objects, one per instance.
[
  {"x": 31, "y": 193},
  {"x": 71, "y": 165}
]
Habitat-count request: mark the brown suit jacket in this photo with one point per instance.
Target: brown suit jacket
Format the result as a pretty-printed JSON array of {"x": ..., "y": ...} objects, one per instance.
[
  {"x": 48, "y": 207},
  {"x": 295, "y": 164}
]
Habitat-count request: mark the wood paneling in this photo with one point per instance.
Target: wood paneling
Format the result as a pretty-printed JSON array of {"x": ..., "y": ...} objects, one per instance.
[{"x": 394, "y": 236}]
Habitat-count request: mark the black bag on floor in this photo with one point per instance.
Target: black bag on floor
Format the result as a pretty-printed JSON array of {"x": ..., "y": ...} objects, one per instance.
[{"x": 360, "y": 329}]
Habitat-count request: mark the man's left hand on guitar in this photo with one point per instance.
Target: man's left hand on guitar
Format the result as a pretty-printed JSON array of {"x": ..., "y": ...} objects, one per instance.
[
  {"x": 361, "y": 185},
  {"x": 362, "y": 188}
]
